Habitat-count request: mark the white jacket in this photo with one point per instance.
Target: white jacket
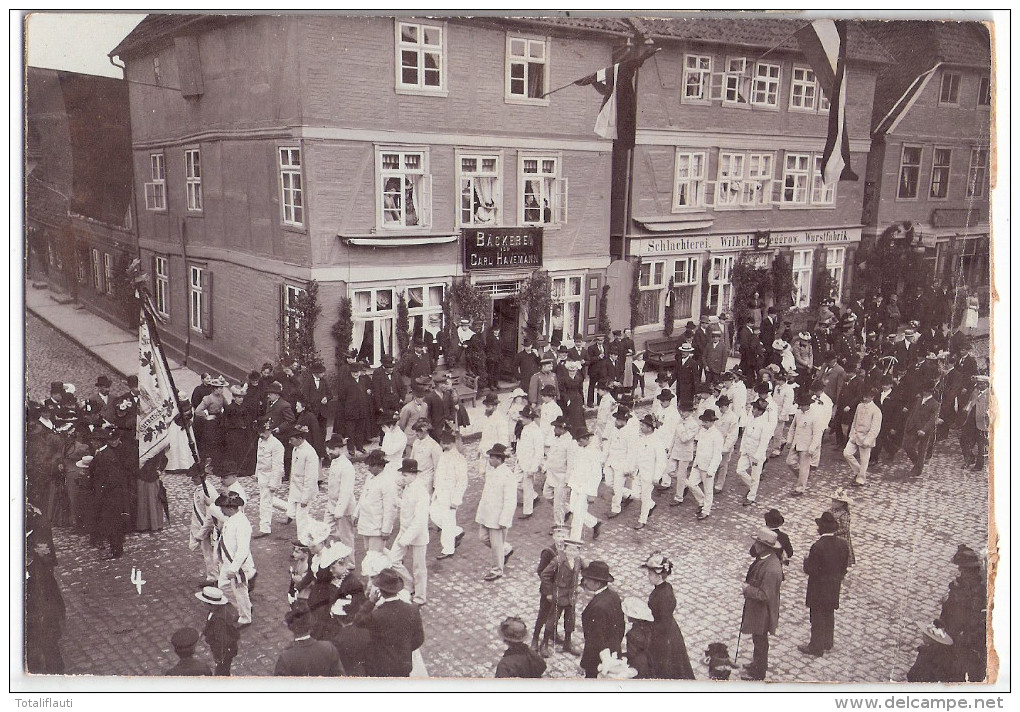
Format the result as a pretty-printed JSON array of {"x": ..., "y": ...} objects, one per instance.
[
  {"x": 867, "y": 424},
  {"x": 451, "y": 479},
  {"x": 619, "y": 448},
  {"x": 377, "y": 508},
  {"x": 669, "y": 418},
  {"x": 755, "y": 441},
  {"x": 682, "y": 445},
  {"x": 737, "y": 393},
  {"x": 394, "y": 442},
  {"x": 340, "y": 487},
  {"x": 729, "y": 427},
  {"x": 604, "y": 418},
  {"x": 546, "y": 415},
  {"x": 304, "y": 474},
  {"x": 584, "y": 468},
  {"x": 203, "y": 525},
  {"x": 784, "y": 397},
  {"x": 649, "y": 458},
  {"x": 556, "y": 459},
  {"x": 427, "y": 452},
  {"x": 269, "y": 462},
  {"x": 235, "y": 546},
  {"x": 495, "y": 429},
  {"x": 414, "y": 513},
  {"x": 709, "y": 452},
  {"x": 530, "y": 449}
]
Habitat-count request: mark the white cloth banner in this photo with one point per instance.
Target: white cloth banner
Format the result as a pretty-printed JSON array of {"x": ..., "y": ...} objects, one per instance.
[{"x": 156, "y": 404}]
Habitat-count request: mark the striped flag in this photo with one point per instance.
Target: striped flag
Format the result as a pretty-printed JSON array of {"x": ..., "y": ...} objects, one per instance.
[
  {"x": 823, "y": 43},
  {"x": 617, "y": 119}
]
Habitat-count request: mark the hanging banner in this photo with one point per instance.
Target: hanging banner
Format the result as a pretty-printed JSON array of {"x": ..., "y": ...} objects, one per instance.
[{"x": 157, "y": 406}]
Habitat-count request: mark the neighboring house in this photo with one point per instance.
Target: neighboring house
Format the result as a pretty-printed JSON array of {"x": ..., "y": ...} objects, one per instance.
[
  {"x": 78, "y": 186},
  {"x": 731, "y": 126},
  {"x": 928, "y": 173},
  {"x": 379, "y": 156}
]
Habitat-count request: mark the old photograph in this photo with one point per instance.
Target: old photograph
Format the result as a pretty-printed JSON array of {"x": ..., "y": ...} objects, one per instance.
[{"x": 651, "y": 348}]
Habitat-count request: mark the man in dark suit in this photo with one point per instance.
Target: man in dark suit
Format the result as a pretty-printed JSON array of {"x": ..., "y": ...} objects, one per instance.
[
  {"x": 442, "y": 407},
  {"x": 317, "y": 393},
  {"x": 388, "y": 389},
  {"x": 595, "y": 353},
  {"x": 685, "y": 373},
  {"x": 184, "y": 641},
  {"x": 890, "y": 402},
  {"x": 416, "y": 363},
  {"x": 919, "y": 428},
  {"x": 761, "y": 591},
  {"x": 527, "y": 364},
  {"x": 394, "y": 627},
  {"x": 602, "y": 620},
  {"x": 906, "y": 350},
  {"x": 494, "y": 358},
  {"x": 306, "y": 657},
  {"x": 101, "y": 405},
  {"x": 750, "y": 348},
  {"x": 278, "y": 411},
  {"x": 114, "y": 472},
  {"x": 769, "y": 325},
  {"x": 825, "y": 566}
]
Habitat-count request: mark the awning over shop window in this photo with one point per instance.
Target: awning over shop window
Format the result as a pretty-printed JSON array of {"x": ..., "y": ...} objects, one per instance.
[
  {"x": 396, "y": 240},
  {"x": 676, "y": 223}
]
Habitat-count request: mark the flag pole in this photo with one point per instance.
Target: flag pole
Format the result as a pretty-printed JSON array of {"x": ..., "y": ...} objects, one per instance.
[{"x": 781, "y": 42}]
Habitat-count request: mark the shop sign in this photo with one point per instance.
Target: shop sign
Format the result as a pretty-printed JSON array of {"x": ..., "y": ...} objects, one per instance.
[
  {"x": 502, "y": 248},
  {"x": 759, "y": 240}
]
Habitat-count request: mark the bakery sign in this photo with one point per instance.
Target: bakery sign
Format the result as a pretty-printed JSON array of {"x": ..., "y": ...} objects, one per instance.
[
  {"x": 749, "y": 240},
  {"x": 502, "y": 248}
]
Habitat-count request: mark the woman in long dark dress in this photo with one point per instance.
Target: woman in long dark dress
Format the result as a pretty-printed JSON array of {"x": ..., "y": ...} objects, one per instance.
[
  {"x": 305, "y": 417},
  {"x": 572, "y": 394},
  {"x": 238, "y": 434},
  {"x": 667, "y": 650}
]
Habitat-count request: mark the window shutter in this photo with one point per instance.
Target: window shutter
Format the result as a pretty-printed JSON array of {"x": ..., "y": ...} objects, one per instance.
[
  {"x": 710, "y": 189},
  {"x": 282, "y": 320},
  {"x": 560, "y": 214},
  {"x": 777, "y": 191},
  {"x": 189, "y": 66},
  {"x": 152, "y": 283},
  {"x": 426, "y": 201},
  {"x": 705, "y": 270},
  {"x": 207, "y": 303}
]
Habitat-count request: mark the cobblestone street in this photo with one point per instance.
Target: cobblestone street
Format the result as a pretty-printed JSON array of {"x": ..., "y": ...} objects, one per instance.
[{"x": 904, "y": 533}]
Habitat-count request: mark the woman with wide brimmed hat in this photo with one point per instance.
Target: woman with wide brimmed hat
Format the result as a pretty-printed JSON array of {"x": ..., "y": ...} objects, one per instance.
[
  {"x": 666, "y": 649},
  {"x": 208, "y": 426},
  {"x": 937, "y": 656},
  {"x": 639, "y": 637}
]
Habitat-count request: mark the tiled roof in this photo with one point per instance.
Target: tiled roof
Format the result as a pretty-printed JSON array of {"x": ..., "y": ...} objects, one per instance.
[{"x": 154, "y": 28}]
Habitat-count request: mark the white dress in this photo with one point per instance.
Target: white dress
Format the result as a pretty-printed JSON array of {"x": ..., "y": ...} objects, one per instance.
[
  {"x": 970, "y": 320},
  {"x": 179, "y": 457}
]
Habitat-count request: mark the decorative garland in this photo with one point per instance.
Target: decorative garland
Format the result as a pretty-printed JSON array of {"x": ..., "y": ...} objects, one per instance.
[
  {"x": 403, "y": 324},
  {"x": 535, "y": 295},
  {"x": 300, "y": 344}
]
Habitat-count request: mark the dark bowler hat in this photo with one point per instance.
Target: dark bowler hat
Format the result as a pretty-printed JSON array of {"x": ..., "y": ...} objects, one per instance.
[
  {"x": 581, "y": 433},
  {"x": 686, "y": 405},
  {"x": 709, "y": 416},
  {"x": 827, "y": 523},
  {"x": 184, "y": 639},
  {"x": 298, "y": 610},
  {"x": 621, "y": 414},
  {"x": 387, "y": 417},
  {"x": 446, "y": 436},
  {"x": 409, "y": 466},
  {"x": 423, "y": 424},
  {"x": 560, "y": 422},
  {"x": 548, "y": 390},
  {"x": 389, "y": 582},
  {"x": 774, "y": 519},
  {"x": 376, "y": 458},
  {"x": 386, "y": 361},
  {"x": 597, "y": 571},
  {"x": 665, "y": 395},
  {"x": 229, "y": 499},
  {"x": 649, "y": 420},
  {"x": 529, "y": 411},
  {"x": 490, "y": 399},
  {"x": 498, "y": 450},
  {"x": 104, "y": 382},
  {"x": 337, "y": 441}
]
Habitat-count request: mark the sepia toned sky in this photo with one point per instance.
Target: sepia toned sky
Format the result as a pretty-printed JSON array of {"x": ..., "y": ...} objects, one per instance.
[{"x": 77, "y": 42}]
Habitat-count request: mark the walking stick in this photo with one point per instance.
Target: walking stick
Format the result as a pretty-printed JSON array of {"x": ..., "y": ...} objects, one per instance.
[{"x": 736, "y": 653}]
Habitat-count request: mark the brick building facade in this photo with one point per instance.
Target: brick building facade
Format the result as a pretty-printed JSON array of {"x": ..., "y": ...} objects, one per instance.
[
  {"x": 928, "y": 172},
  {"x": 365, "y": 153}
]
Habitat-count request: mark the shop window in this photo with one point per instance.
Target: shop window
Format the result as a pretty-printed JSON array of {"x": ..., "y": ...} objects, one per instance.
[
  {"x": 420, "y": 52},
  {"x": 405, "y": 189},
  {"x": 425, "y": 310},
  {"x": 720, "y": 288},
  {"x": 155, "y": 191},
  {"x": 802, "y": 263},
  {"x": 910, "y": 172},
  {"x": 480, "y": 198},
  {"x": 940, "y": 162},
  {"x": 543, "y": 191},
  {"x": 527, "y": 69},
  {"x": 373, "y": 312},
  {"x": 689, "y": 186},
  {"x": 686, "y": 272},
  {"x": 565, "y": 313},
  {"x": 651, "y": 281}
]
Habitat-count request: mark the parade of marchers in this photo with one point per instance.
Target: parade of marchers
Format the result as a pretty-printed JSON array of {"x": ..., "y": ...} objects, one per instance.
[{"x": 555, "y": 450}]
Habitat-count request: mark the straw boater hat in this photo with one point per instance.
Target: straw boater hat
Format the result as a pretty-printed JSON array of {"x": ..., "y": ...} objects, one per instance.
[
  {"x": 804, "y": 336},
  {"x": 779, "y": 345},
  {"x": 637, "y": 609},
  {"x": 211, "y": 594},
  {"x": 333, "y": 553},
  {"x": 767, "y": 537},
  {"x": 315, "y": 533},
  {"x": 934, "y": 633}
]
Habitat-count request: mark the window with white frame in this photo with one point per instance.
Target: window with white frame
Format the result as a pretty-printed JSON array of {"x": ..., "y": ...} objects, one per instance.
[
  {"x": 479, "y": 190},
  {"x": 404, "y": 189},
  {"x": 651, "y": 281},
  {"x": 193, "y": 179},
  {"x": 803, "y": 90},
  {"x": 162, "y": 284},
  {"x": 292, "y": 204},
  {"x": 736, "y": 81},
  {"x": 420, "y": 52},
  {"x": 977, "y": 177},
  {"x": 802, "y": 262},
  {"x": 697, "y": 77},
  {"x": 565, "y": 312},
  {"x": 686, "y": 273},
  {"x": 425, "y": 310},
  {"x": 984, "y": 91},
  {"x": 910, "y": 172},
  {"x": 196, "y": 298},
  {"x": 689, "y": 186},
  {"x": 949, "y": 89},
  {"x": 834, "y": 258},
  {"x": 796, "y": 177},
  {"x": 821, "y": 194},
  {"x": 940, "y": 161},
  {"x": 730, "y": 183},
  {"x": 758, "y": 185},
  {"x": 720, "y": 286},
  {"x": 291, "y": 315},
  {"x": 543, "y": 191},
  {"x": 765, "y": 87},
  {"x": 526, "y": 68},
  {"x": 155, "y": 191},
  {"x": 108, "y": 272},
  {"x": 373, "y": 314},
  {"x": 97, "y": 273}
]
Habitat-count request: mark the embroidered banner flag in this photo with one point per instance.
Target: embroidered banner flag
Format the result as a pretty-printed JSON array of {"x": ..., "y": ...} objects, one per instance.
[
  {"x": 157, "y": 406},
  {"x": 823, "y": 43}
]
